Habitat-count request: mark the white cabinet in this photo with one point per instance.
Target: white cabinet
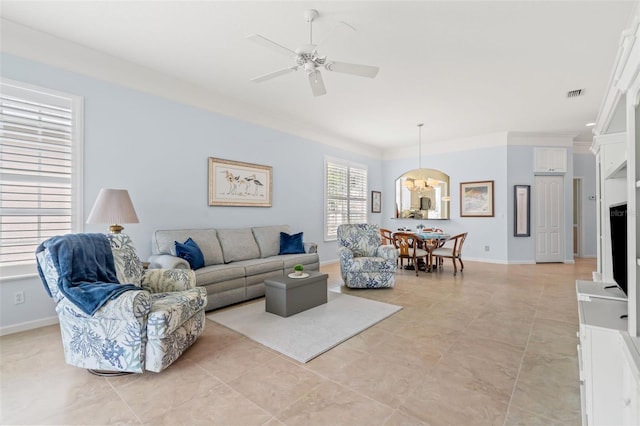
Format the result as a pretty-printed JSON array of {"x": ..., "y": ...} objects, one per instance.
[
  {"x": 613, "y": 157},
  {"x": 630, "y": 380},
  {"x": 600, "y": 354},
  {"x": 550, "y": 160}
]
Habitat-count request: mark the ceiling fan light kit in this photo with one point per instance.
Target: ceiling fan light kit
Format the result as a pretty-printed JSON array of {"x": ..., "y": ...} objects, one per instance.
[{"x": 306, "y": 56}]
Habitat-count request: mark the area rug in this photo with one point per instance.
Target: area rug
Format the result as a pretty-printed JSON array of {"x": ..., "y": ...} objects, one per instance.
[{"x": 310, "y": 333}]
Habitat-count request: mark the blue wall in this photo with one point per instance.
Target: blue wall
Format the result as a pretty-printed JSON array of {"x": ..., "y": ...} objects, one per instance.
[
  {"x": 468, "y": 166},
  {"x": 584, "y": 166}
]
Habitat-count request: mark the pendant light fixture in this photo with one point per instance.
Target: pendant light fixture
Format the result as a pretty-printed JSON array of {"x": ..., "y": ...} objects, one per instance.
[{"x": 420, "y": 184}]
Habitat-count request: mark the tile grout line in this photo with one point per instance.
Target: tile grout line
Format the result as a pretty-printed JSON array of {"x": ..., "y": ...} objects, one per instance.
[
  {"x": 524, "y": 353},
  {"x": 124, "y": 400}
]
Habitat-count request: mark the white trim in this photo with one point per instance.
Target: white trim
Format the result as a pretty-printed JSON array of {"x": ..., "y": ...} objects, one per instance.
[
  {"x": 349, "y": 165},
  {"x": 569, "y": 261},
  {"x": 28, "y": 325},
  {"x": 582, "y": 147},
  {"x": 541, "y": 139},
  {"x": 47, "y": 95}
]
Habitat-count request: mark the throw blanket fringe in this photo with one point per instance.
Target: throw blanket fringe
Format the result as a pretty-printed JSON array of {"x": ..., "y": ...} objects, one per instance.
[{"x": 86, "y": 270}]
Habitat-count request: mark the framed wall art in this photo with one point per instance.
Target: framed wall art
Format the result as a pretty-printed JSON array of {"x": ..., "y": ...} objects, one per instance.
[
  {"x": 476, "y": 199},
  {"x": 522, "y": 215},
  {"x": 376, "y": 201},
  {"x": 234, "y": 183}
]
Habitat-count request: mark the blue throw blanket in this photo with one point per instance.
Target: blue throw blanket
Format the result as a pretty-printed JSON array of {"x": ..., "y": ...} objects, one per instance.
[{"x": 86, "y": 270}]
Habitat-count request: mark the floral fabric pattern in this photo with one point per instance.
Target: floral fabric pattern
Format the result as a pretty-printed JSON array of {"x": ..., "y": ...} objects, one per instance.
[
  {"x": 364, "y": 263},
  {"x": 164, "y": 280},
  {"x": 139, "y": 330},
  {"x": 128, "y": 265},
  {"x": 171, "y": 310}
]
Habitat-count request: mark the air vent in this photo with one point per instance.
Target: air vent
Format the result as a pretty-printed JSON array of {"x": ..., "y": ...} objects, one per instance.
[{"x": 575, "y": 93}]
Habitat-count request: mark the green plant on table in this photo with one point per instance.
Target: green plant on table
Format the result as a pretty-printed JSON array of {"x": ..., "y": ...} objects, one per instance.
[{"x": 298, "y": 268}]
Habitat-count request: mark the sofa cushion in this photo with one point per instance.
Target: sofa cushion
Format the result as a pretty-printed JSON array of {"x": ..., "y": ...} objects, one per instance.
[
  {"x": 164, "y": 243},
  {"x": 291, "y": 244},
  {"x": 190, "y": 252},
  {"x": 238, "y": 244},
  {"x": 217, "y": 273},
  {"x": 268, "y": 239},
  {"x": 290, "y": 260},
  {"x": 260, "y": 266}
]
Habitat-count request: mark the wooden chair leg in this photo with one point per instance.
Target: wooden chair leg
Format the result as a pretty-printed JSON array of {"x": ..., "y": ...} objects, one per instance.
[
  {"x": 461, "y": 264},
  {"x": 455, "y": 268}
]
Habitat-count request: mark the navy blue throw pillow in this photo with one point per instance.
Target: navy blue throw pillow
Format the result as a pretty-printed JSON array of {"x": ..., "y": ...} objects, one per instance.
[
  {"x": 291, "y": 244},
  {"x": 190, "y": 252}
]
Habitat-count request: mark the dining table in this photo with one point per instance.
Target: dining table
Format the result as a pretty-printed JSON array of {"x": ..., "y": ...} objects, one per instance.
[{"x": 433, "y": 240}]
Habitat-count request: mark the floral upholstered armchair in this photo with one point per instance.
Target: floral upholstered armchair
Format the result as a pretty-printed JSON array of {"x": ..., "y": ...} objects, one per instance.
[
  {"x": 146, "y": 318},
  {"x": 364, "y": 262}
]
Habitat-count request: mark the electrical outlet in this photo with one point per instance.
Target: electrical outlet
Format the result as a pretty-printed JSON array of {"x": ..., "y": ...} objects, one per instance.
[
  {"x": 486, "y": 248},
  {"x": 18, "y": 297}
]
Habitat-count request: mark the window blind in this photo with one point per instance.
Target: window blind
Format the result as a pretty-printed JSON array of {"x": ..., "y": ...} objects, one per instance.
[
  {"x": 38, "y": 137},
  {"x": 345, "y": 195}
]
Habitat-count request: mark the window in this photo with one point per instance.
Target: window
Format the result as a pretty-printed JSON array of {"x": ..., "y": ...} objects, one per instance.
[
  {"x": 40, "y": 171},
  {"x": 345, "y": 195}
]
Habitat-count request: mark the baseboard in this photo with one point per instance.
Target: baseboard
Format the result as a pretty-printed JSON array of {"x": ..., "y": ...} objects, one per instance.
[
  {"x": 329, "y": 262},
  {"x": 569, "y": 262},
  {"x": 29, "y": 325},
  {"x": 483, "y": 260},
  {"x": 522, "y": 262}
]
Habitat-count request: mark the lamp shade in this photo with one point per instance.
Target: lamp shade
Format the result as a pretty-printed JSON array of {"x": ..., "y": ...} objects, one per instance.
[{"x": 113, "y": 207}]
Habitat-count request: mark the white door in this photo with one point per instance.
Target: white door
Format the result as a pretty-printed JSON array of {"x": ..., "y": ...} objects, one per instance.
[{"x": 549, "y": 208}]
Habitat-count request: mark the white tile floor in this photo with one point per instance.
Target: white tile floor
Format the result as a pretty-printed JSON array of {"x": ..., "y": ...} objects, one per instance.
[{"x": 493, "y": 345}]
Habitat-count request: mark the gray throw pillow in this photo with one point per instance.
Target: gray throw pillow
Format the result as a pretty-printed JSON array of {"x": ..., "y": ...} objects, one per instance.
[
  {"x": 238, "y": 244},
  {"x": 268, "y": 239}
]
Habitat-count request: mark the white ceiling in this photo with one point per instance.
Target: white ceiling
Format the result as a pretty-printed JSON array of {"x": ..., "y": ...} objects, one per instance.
[{"x": 462, "y": 68}]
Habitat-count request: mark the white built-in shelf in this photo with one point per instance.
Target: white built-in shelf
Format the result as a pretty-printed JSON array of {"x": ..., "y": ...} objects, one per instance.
[
  {"x": 603, "y": 313},
  {"x": 617, "y": 172},
  {"x": 588, "y": 289}
]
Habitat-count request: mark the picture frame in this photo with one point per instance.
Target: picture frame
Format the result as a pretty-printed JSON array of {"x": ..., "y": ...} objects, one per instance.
[
  {"x": 476, "y": 199},
  {"x": 522, "y": 210},
  {"x": 376, "y": 202},
  {"x": 235, "y": 183}
]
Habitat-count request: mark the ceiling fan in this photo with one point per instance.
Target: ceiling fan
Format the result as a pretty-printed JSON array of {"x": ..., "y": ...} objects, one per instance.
[{"x": 306, "y": 57}]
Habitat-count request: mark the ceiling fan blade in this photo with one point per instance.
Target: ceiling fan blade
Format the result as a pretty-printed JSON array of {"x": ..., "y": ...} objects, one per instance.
[
  {"x": 274, "y": 74},
  {"x": 355, "y": 69},
  {"x": 317, "y": 85},
  {"x": 256, "y": 38}
]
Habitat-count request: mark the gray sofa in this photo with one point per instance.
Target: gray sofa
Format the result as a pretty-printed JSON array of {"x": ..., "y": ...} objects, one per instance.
[{"x": 237, "y": 261}]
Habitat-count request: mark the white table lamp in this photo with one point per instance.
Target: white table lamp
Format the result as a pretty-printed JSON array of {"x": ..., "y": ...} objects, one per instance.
[{"x": 113, "y": 206}]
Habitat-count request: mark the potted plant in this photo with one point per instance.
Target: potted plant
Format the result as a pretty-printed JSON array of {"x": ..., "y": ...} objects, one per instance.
[{"x": 298, "y": 270}]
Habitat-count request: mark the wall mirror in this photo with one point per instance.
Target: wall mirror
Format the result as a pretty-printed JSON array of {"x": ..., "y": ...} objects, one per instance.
[{"x": 423, "y": 194}]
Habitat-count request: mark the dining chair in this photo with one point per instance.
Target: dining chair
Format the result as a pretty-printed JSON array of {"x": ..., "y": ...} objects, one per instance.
[
  {"x": 453, "y": 252},
  {"x": 387, "y": 236},
  {"x": 407, "y": 244}
]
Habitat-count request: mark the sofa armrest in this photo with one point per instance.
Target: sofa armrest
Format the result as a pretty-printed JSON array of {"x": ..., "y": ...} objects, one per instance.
[
  {"x": 167, "y": 261},
  {"x": 131, "y": 305},
  {"x": 310, "y": 247},
  {"x": 387, "y": 252},
  {"x": 166, "y": 280}
]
